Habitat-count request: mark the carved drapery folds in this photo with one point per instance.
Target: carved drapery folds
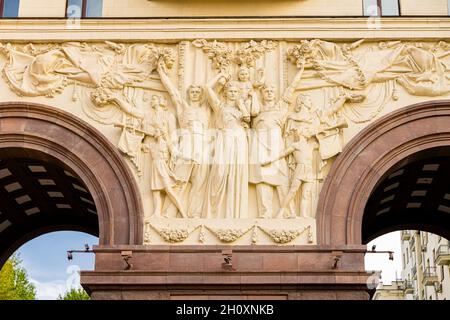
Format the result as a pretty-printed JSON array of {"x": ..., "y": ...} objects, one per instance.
[{"x": 233, "y": 140}]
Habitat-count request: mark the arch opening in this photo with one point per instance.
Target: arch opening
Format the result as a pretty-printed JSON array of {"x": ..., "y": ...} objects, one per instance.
[
  {"x": 39, "y": 194},
  {"x": 43, "y": 262},
  {"x": 71, "y": 161},
  {"x": 413, "y": 195}
]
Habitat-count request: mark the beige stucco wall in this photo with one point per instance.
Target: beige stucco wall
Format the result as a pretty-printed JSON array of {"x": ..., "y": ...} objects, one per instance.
[
  {"x": 192, "y": 66},
  {"x": 429, "y": 7},
  {"x": 170, "y": 8},
  {"x": 146, "y": 8},
  {"x": 390, "y": 291},
  {"x": 42, "y": 8}
]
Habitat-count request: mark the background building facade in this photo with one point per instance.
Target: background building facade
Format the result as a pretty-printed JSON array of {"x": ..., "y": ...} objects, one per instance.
[
  {"x": 425, "y": 267},
  {"x": 393, "y": 291},
  {"x": 425, "y": 258}
]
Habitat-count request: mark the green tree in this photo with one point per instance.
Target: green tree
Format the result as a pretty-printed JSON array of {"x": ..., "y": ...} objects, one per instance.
[
  {"x": 14, "y": 282},
  {"x": 75, "y": 294}
]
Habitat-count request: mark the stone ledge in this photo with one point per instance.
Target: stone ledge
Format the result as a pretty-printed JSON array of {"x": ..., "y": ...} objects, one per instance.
[
  {"x": 171, "y": 272},
  {"x": 308, "y": 285},
  {"x": 281, "y": 28},
  {"x": 238, "y": 248}
]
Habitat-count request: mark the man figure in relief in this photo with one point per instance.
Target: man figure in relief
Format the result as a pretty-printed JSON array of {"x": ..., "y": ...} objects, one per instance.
[
  {"x": 157, "y": 128},
  {"x": 194, "y": 120},
  {"x": 332, "y": 123},
  {"x": 266, "y": 142},
  {"x": 300, "y": 129}
]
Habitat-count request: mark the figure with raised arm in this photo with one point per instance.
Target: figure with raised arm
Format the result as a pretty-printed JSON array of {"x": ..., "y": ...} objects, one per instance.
[
  {"x": 157, "y": 127},
  {"x": 227, "y": 189},
  {"x": 194, "y": 121}
]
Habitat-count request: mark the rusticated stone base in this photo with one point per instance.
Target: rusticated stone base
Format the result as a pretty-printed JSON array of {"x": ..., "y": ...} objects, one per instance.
[{"x": 254, "y": 272}]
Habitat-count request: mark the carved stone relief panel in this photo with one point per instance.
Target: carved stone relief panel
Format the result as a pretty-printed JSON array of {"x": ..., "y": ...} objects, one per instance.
[{"x": 231, "y": 141}]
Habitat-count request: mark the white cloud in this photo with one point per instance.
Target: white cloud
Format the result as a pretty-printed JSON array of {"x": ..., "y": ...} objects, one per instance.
[{"x": 49, "y": 290}]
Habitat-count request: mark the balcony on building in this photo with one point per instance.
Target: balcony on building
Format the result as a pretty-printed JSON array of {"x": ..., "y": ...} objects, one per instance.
[
  {"x": 414, "y": 271},
  {"x": 406, "y": 235},
  {"x": 430, "y": 276},
  {"x": 438, "y": 287},
  {"x": 443, "y": 255},
  {"x": 412, "y": 243},
  {"x": 408, "y": 287}
]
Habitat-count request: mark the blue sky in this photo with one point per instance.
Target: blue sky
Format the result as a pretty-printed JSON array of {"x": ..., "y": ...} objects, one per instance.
[{"x": 45, "y": 259}]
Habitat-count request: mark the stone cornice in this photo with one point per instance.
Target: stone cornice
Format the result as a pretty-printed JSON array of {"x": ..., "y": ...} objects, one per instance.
[{"x": 223, "y": 28}]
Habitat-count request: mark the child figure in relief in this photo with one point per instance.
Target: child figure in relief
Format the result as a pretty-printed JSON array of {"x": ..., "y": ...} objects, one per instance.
[
  {"x": 301, "y": 127},
  {"x": 248, "y": 101}
]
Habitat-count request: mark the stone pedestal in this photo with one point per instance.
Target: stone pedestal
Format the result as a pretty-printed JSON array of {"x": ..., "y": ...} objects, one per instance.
[{"x": 224, "y": 272}]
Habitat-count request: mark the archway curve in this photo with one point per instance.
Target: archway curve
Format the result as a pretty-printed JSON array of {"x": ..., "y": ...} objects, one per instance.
[
  {"x": 413, "y": 195},
  {"x": 367, "y": 157},
  {"x": 82, "y": 148}
]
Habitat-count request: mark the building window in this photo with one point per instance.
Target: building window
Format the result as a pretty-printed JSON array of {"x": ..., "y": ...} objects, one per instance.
[
  {"x": 84, "y": 8},
  {"x": 9, "y": 8},
  {"x": 381, "y": 8},
  {"x": 425, "y": 238}
]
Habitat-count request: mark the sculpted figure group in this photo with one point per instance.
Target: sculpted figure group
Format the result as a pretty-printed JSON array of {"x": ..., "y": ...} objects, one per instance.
[
  {"x": 236, "y": 131},
  {"x": 233, "y": 134}
]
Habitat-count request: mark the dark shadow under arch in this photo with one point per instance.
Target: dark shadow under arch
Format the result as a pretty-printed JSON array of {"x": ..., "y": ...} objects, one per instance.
[{"x": 413, "y": 195}]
